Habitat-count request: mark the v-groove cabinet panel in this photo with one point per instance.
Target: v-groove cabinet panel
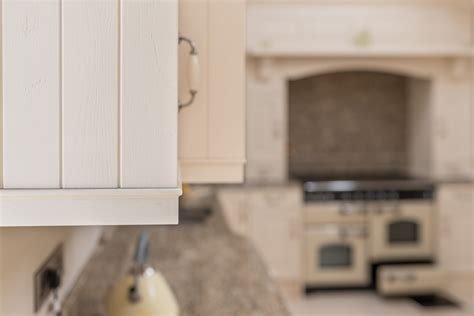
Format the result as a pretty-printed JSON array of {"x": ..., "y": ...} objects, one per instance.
[
  {"x": 89, "y": 112},
  {"x": 31, "y": 94},
  {"x": 90, "y": 36},
  {"x": 149, "y": 94},
  {"x": 212, "y": 129}
]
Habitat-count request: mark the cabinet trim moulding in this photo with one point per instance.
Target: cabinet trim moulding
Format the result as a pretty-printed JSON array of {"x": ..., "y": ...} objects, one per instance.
[{"x": 77, "y": 207}]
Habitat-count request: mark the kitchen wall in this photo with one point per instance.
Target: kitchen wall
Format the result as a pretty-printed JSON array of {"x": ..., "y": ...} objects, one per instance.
[
  {"x": 23, "y": 250},
  {"x": 348, "y": 123}
]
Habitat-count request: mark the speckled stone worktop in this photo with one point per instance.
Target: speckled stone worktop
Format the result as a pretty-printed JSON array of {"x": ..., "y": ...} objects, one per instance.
[{"x": 212, "y": 271}]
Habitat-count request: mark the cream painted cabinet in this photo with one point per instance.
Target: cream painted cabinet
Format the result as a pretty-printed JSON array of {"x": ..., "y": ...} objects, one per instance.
[
  {"x": 212, "y": 128},
  {"x": 455, "y": 206},
  {"x": 271, "y": 218},
  {"x": 89, "y": 114},
  {"x": 89, "y": 109}
]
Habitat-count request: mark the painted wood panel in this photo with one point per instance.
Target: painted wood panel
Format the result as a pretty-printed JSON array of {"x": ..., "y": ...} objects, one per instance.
[
  {"x": 31, "y": 99},
  {"x": 451, "y": 108},
  {"x": 90, "y": 37},
  {"x": 212, "y": 129},
  {"x": 89, "y": 207},
  {"x": 149, "y": 42},
  {"x": 226, "y": 79},
  {"x": 394, "y": 28},
  {"x": 193, "y": 120},
  {"x": 1, "y": 98}
]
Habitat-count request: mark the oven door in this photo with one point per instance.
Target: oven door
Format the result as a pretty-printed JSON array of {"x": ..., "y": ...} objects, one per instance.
[
  {"x": 401, "y": 231},
  {"x": 336, "y": 255}
]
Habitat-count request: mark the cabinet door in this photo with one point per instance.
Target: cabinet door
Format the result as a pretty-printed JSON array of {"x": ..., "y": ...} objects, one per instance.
[
  {"x": 89, "y": 94},
  {"x": 212, "y": 129},
  {"x": 90, "y": 35},
  {"x": 455, "y": 206},
  {"x": 31, "y": 94},
  {"x": 88, "y": 112},
  {"x": 236, "y": 206},
  {"x": 275, "y": 229},
  {"x": 149, "y": 82},
  {"x": 271, "y": 219}
]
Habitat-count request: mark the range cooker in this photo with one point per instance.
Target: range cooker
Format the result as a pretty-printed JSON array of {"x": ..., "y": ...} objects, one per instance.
[{"x": 355, "y": 226}]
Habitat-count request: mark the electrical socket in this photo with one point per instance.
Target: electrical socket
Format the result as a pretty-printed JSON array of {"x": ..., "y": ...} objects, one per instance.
[{"x": 41, "y": 288}]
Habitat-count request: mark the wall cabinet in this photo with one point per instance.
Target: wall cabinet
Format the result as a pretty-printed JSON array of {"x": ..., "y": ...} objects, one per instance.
[
  {"x": 89, "y": 108},
  {"x": 212, "y": 129}
]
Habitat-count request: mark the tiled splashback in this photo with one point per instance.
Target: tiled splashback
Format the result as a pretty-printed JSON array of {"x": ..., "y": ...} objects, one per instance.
[{"x": 348, "y": 123}]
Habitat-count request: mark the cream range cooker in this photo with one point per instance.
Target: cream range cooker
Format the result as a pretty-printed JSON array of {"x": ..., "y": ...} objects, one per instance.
[{"x": 379, "y": 234}]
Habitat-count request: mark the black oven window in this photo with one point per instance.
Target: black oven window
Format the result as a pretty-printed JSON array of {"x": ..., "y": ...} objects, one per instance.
[
  {"x": 335, "y": 256},
  {"x": 403, "y": 232}
]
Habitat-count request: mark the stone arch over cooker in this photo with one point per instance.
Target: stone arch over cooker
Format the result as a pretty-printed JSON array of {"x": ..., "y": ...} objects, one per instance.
[
  {"x": 301, "y": 68},
  {"x": 268, "y": 95},
  {"x": 350, "y": 123}
]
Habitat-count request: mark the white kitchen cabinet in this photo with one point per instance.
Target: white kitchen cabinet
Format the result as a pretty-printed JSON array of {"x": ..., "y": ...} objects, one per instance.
[
  {"x": 89, "y": 108},
  {"x": 455, "y": 206},
  {"x": 271, "y": 218},
  {"x": 212, "y": 129},
  {"x": 89, "y": 111},
  {"x": 275, "y": 228}
]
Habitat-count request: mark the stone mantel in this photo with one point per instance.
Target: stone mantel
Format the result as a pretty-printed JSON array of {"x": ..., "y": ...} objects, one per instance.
[{"x": 359, "y": 28}]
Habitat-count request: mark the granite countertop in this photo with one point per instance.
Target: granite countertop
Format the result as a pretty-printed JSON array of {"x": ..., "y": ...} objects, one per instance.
[{"x": 211, "y": 271}]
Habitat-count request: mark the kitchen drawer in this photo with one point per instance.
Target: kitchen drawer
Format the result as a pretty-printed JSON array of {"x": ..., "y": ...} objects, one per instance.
[
  {"x": 330, "y": 212},
  {"x": 409, "y": 280}
]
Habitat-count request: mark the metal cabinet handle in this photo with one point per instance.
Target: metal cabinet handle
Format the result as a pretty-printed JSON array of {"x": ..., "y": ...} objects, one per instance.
[{"x": 194, "y": 72}]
